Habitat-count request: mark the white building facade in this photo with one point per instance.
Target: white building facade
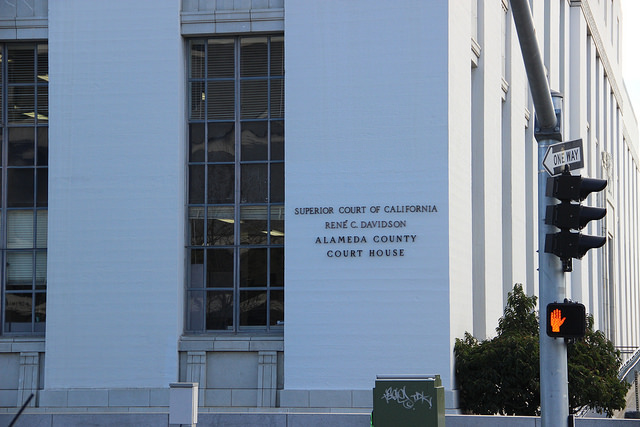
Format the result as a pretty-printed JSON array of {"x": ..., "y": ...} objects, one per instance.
[{"x": 282, "y": 201}]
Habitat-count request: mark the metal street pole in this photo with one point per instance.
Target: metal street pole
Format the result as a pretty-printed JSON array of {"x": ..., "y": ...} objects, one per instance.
[
  {"x": 554, "y": 377},
  {"x": 554, "y": 395}
]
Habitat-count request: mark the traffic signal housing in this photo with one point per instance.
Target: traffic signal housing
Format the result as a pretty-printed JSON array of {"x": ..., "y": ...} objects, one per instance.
[
  {"x": 570, "y": 215},
  {"x": 566, "y": 320}
]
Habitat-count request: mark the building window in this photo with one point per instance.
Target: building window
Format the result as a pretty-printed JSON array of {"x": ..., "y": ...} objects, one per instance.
[
  {"x": 24, "y": 119},
  {"x": 236, "y": 184}
]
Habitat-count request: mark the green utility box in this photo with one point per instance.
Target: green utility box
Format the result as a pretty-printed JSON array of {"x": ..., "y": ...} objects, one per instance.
[{"x": 408, "y": 401}]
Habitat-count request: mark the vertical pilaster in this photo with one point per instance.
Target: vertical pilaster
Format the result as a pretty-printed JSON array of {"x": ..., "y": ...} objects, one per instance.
[
  {"x": 29, "y": 376},
  {"x": 267, "y": 378},
  {"x": 197, "y": 371}
]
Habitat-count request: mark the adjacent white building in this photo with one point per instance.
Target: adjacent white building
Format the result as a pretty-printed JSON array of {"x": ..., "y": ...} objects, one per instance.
[{"x": 280, "y": 201}]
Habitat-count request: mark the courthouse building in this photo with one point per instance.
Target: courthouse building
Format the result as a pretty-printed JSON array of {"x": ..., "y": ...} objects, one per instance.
[{"x": 280, "y": 200}]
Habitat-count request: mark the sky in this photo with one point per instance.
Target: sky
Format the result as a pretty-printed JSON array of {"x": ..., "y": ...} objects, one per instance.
[{"x": 631, "y": 51}]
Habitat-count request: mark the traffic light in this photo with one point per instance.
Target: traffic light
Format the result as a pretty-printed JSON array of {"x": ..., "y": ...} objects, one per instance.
[
  {"x": 566, "y": 320},
  {"x": 568, "y": 216}
]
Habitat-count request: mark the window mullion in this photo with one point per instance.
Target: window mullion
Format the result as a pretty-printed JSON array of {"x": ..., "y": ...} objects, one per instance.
[
  {"x": 237, "y": 189},
  {"x": 3, "y": 181}
]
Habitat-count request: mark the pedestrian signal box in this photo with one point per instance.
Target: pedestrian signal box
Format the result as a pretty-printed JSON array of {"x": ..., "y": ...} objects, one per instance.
[{"x": 566, "y": 320}]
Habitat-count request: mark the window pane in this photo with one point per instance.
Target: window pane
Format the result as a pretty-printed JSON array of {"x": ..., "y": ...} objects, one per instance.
[
  {"x": 222, "y": 142},
  {"x": 276, "y": 275},
  {"x": 21, "y": 63},
  {"x": 41, "y": 228},
  {"x": 197, "y": 59},
  {"x": 196, "y": 184},
  {"x": 253, "y": 99},
  {"x": 41, "y": 270},
  {"x": 18, "y": 312},
  {"x": 42, "y": 52},
  {"x": 196, "y": 226},
  {"x": 220, "y": 100},
  {"x": 253, "y": 186},
  {"x": 22, "y": 104},
  {"x": 219, "y": 310},
  {"x": 196, "y": 273},
  {"x": 20, "y": 187},
  {"x": 277, "y": 182},
  {"x": 277, "y": 140},
  {"x": 220, "y": 223},
  {"x": 253, "y": 225},
  {"x": 277, "y": 56},
  {"x": 277, "y": 225},
  {"x": 196, "y": 142},
  {"x": 220, "y": 58},
  {"x": 253, "y": 308},
  {"x": 197, "y": 100},
  {"x": 19, "y": 270},
  {"x": 219, "y": 268},
  {"x": 276, "y": 311},
  {"x": 40, "y": 312},
  {"x": 42, "y": 175},
  {"x": 277, "y": 98},
  {"x": 43, "y": 104},
  {"x": 253, "y": 267},
  {"x": 19, "y": 229},
  {"x": 43, "y": 146},
  {"x": 253, "y": 57},
  {"x": 254, "y": 141},
  {"x": 195, "y": 308},
  {"x": 21, "y": 146},
  {"x": 221, "y": 184}
]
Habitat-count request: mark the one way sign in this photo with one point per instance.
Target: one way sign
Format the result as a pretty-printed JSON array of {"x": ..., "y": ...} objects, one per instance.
[{"x": 565, "y": 154}]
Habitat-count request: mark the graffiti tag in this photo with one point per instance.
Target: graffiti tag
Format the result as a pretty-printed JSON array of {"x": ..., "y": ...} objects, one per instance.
[{"x": 400, "y": 396}]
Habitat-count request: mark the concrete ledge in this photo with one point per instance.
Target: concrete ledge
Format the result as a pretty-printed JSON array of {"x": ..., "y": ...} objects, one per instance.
[
  {"x": 231, "y": 343},
  {"x": 273, "y": 418},
  {"x": 17, "y": 345},
  {"x": 318, "y": 399}
]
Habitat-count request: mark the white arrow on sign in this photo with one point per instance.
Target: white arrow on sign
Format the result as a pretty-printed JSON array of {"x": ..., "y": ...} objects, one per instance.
[{"x": 565, "y": 154}]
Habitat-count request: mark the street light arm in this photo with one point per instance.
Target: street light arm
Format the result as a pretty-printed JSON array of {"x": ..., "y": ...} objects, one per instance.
[{"x": 533, "y": 64}]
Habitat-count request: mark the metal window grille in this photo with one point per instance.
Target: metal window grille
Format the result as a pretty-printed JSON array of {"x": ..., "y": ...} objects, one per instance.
[{"x": 236, "y": 184}]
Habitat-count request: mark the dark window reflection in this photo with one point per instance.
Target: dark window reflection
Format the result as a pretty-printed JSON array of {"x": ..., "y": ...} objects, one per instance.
[
  {"x": 221, "y": 184},
  {"x": 219, "y": 268},
  {"x": 221, "y": 144},
  {"x": 219, "y": 310},
  {"x": 253, "y": 225},
  {"x": 276, "y": 276},
  {"x": 220, "y": 225},
  {"x": 196, "y": 184},
  {"x": 42, "y": 184},
  {"x": 20, "y": 187},
  {"x": 277, "y": 140},
  {"x": 43, "y": 146},
  {"x": 254, "y": 141},
  {"x": 254, "y": 183},
  {"x": 276, "y": 313},
  {"x": 196, "y": 142},
  {"x": 253, "y": 308},
  {"x": 18, "y": 308},
  {"x": 277, "y": 182},
  {"x": 21, "y": 146},
  {"x": 253, "y": 267}
]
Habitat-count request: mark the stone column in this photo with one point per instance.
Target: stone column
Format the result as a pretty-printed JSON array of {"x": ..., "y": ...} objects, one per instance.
[
  {"x": 267, "y": 378},
  {"x": 29, "y": 377},
  {"x": 197, "y": 372}
]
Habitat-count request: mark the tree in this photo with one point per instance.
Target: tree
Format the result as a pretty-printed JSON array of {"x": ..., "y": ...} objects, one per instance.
[
  {"x": 502, "y": 375},
  {"x": 593, "y": 373}
]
